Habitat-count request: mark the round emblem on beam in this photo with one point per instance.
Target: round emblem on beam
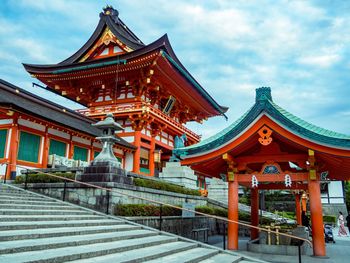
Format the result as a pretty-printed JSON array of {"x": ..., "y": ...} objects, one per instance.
[{"x": 265, "y": 135}]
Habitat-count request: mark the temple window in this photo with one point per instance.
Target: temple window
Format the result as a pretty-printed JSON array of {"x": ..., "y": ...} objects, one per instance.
[
  {"x": 58, "y": 148},
  {"x": 96, "y": 153},
  {"x": 29, "y": 145},
  {"x": 3, "y": 135},
  {"x": 80, "y": 153}
]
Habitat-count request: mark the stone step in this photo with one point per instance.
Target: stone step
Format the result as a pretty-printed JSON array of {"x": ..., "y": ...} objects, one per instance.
[
  {"x": 21, "y": 218},
  {"x": 38, "y": 206},
  {"x": 193, "y": 255},
  {"x": 43, "y": 212},
  {"x": 20, "y": 197},
  {"x": 142, "y": 254},
  {"x": 86, "y": 251},
  {"x": 223, "y": 258},
  {"x": 56, "y": 224},
  {"x": 17, "y": 246},
  {"x": 29, "y": 202},
  {"x": 8, "y": 235}
]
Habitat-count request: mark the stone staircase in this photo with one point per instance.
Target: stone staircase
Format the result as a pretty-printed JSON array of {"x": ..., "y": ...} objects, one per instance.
[{"x": 36, "y": 228}]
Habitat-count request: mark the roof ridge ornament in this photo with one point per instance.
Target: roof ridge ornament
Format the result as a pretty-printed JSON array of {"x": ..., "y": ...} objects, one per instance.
[
  {"x": 110, "y": 11},
  {"x": 263, "y": 94}
]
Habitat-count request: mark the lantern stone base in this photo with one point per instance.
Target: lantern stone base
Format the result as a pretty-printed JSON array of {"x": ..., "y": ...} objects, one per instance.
[
  {"x": 182, "y": 175},
  {"x": 104, "y": 172},
  {"x": 218, "y": 190}
]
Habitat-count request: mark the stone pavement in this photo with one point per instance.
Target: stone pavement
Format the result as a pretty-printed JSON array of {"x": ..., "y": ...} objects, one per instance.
[{"x": 336, "y": 253}]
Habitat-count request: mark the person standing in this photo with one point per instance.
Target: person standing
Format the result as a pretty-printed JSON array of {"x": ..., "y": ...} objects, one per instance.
[
  {"x": 342, "y": 230},
  {"x": 348, "y": 221}
]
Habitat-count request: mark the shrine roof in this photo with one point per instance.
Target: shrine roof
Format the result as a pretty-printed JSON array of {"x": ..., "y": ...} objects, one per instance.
[
  {"x": 109, "y": 18},
  {"x": 20, "y": 99},
  {"x": 264, "y": 105}
]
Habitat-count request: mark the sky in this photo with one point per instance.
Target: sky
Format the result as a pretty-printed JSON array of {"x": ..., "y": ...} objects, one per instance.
[{"x": 300, "y": 49}]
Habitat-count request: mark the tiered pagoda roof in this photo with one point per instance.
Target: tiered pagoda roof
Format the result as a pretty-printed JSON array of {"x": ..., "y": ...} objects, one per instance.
[{"x": 114, "y": 53}]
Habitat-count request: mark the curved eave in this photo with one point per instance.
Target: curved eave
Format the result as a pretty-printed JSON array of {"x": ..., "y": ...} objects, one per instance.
[
  {"x": 269, "y": 109},
  {"x": 50, "y": 68},
  {"x": 160, "y": 44},
  {"x": 126, "y": 37},
  {"x": 170, "y": 54}
]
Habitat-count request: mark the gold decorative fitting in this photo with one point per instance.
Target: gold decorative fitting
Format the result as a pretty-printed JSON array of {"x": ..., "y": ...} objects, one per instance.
[
  {"x": 312, "y": 174},
  {"x": 230, "y": 176},
  {"x": 265, "y": 136}
]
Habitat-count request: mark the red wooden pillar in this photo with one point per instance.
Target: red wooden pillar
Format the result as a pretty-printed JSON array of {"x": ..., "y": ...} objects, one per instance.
[
  {"x": 11, "y": 167},
  {"x": 298, "y": 209},
  {"x": 303, "y": 202},
  {"x": 232, "y": 232},
  {"x": 137, "y": 143},
  {"x": 254, "y": 206},
  {"x": 92, "y": 154},
  {"x": 45, "y": 149},
  {"x": 71, "y": 148},
  {"x": 319, "y": 247},
  {"x": 151, "y": 156}
]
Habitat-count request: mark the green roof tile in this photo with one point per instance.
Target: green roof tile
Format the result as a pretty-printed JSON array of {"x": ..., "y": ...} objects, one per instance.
[{"x": 264, "y": 104}]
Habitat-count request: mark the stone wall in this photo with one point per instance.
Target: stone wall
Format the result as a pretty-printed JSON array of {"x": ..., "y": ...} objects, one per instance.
[
  {"x": 333, "y": 209},
  {"x": 183, "y": 226},
  {"x": 122, "y": 194}
]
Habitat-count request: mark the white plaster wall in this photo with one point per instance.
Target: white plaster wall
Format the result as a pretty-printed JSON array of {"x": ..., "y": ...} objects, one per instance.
[
  {"x": 59, "y": 133},
  {"x": 6, "y": 121},
  {"x": 8, "y": 143},
  {"x": 81, "y": 140},
  {"x": 41, "y": 151},
  {"x": 118, "y": 151},
  {"x": 129, "y": 139},
  {"x": 3, "y": 168},
  {"x": 129, "y": 161},
  {"x": 128, "y": 129},
  {"x": 31, "y": 124},
  {"x": 335, "y": 189},
  {"x": 97, "y": 145}
]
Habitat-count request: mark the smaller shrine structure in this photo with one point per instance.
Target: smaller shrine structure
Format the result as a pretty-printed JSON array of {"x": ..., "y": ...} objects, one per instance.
[{"x": 270, "y": 148}]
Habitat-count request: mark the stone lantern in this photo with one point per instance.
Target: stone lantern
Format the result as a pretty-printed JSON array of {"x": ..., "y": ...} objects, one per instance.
[
  {"x": 108, "y": 127},
  {"x": 106, "y": 167}
]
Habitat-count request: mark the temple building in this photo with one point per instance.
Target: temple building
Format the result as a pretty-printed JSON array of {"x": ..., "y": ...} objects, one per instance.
[
  {"x": 33, "y": 129},
  {"x": 269, "y": 148},
  {"x": 146, "y": 88}
]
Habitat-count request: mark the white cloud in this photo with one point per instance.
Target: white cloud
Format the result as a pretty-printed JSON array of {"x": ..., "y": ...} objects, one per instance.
[
  {"x": 230, "y": 47},
  {"x": 323, "y": 61}
]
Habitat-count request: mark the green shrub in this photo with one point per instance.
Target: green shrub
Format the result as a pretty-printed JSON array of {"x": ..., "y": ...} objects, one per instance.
[
  {"x": 347, "y": 194},
  {"x": 43, "y": 178},
  {"x": 164, "y": 186},
  {"x": 144, "y": 210},
  {"x": 289, "y": 215},
  {"x": 153, "y": 210},
  {"x": 330, "y": 219},
  {"x": 205, "y": 209},
  {"x": 244, "y": 200}
]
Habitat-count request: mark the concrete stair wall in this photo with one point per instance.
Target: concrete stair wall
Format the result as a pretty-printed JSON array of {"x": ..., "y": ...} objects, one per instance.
[{"x": 36, "y": 228}]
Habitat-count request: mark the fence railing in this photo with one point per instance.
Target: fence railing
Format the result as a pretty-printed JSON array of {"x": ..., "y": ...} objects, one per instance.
[{"x": 161, "y": 204}]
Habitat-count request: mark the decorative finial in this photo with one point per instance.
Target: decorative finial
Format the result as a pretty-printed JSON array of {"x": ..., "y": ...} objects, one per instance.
[
  {"x": 110, "y": 11},
  {"x": 263, "y": 93}
]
